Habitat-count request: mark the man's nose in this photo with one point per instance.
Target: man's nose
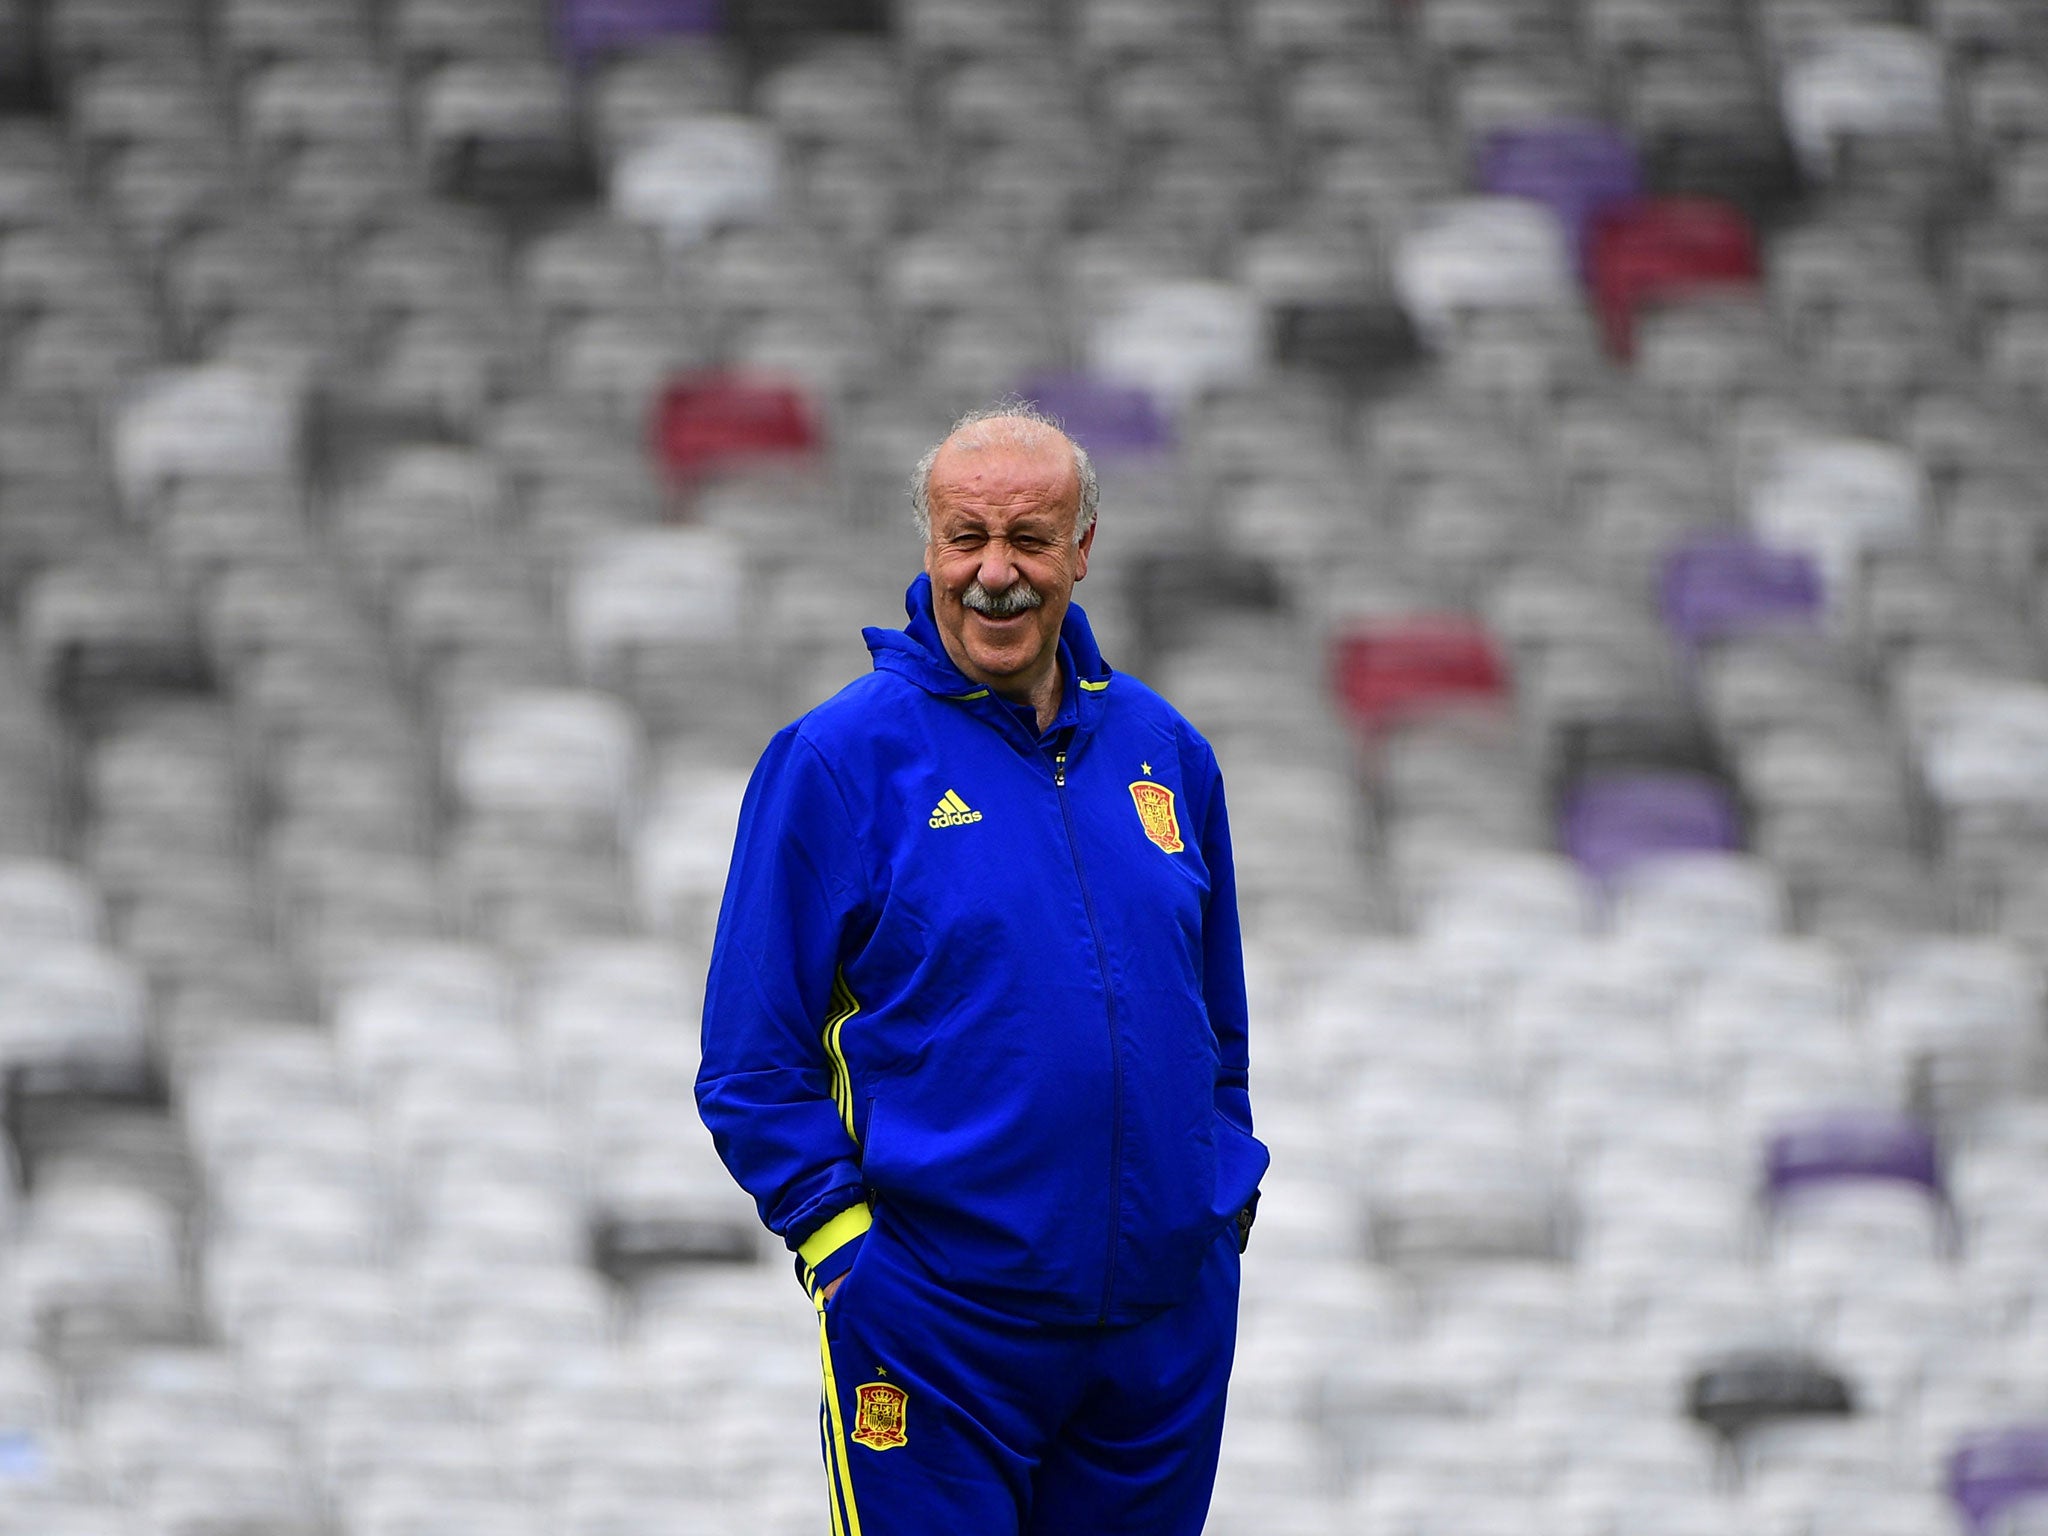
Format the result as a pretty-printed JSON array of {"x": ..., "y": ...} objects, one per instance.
[{"x": 997, "y": 570}]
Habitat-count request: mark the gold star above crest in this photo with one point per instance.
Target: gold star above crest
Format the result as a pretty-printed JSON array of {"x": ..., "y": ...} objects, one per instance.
[{"x": 1148, "y": 769}]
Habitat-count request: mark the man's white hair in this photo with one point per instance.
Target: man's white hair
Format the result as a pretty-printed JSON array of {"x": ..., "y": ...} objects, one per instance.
[{"x": 1009, "y": 423}]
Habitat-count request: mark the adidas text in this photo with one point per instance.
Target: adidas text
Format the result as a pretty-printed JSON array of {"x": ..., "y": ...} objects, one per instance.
[{"x": 952, "y": 811}]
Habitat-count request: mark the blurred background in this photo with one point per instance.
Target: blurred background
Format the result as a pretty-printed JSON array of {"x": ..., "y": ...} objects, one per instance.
[{"x": 1580, "y": 460}]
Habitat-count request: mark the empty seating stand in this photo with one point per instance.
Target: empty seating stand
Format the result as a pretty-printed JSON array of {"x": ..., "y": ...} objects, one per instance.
[{"x": 1578, "y": 463}]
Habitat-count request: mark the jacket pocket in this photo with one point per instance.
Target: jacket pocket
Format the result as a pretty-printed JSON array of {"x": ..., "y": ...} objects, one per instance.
[
  {"x": 1241, "y": 1162},
  {"x": 868, "y": 1131}
]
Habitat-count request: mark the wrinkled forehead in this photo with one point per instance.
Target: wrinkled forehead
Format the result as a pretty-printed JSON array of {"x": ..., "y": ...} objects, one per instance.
[{"x": 1007, "y": 478}]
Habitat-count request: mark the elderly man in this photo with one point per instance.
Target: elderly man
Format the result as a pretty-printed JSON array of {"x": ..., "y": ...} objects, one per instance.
[{"x": 974, "y": 1039}]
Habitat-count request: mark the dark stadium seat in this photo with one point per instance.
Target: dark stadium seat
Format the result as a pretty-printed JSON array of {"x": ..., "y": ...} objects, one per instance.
[{"x": 1747, "y": 1388}]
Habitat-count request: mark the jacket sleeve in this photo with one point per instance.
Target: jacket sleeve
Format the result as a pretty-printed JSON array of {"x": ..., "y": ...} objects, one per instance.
[
  {"x": 796, "y": 887},
  {"x": 1223, "y": 958}
]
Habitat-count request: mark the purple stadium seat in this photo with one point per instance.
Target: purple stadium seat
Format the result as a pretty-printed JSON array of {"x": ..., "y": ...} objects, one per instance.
[
  {"x": 1578, "y": 169},
  {"x": 1615, "y": 819},
  {"x": 1722, "y": 585},
  {"x": 1991, "y": 1469},
  {"x": 1110, "y": 420},
  {"x": 589, "y": 28},
  {"x": 1864, "y": 1144}
]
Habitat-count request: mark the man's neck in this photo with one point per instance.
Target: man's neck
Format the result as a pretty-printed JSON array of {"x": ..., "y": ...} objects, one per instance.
[{"x": 1043, "y": 696}]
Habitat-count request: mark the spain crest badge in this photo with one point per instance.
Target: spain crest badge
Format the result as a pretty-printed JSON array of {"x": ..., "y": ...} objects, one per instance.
[
  {"x": 880, "y": 1411},
  {"x": 1155, "y": 814}
]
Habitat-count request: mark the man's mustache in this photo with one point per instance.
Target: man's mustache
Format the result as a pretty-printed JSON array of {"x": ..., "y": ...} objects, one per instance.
[{"x": 1018, "y": 597}]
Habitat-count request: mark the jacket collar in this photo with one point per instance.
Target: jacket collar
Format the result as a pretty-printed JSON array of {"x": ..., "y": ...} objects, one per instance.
[{"x": 916, "y": 652}]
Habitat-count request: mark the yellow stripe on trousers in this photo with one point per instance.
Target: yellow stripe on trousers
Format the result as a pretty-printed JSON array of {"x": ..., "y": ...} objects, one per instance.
[
  {"x": 831, "y": 1483},
  {"x": 838, "y": 1473}
]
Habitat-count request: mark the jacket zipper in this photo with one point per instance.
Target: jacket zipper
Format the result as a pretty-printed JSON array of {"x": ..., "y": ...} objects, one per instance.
[{"x": 1116, "y": 1062}]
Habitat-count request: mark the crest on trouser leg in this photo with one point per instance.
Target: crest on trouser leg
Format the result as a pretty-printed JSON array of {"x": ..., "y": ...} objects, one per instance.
[{"x": 878, "y": 1418}]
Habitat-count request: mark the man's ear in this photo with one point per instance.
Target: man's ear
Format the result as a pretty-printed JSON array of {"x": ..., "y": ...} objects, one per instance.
[{"x": 1081, "y": 552}]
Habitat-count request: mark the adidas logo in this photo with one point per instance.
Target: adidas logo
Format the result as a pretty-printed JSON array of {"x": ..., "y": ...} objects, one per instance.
[{"x": 952, "y": 811}]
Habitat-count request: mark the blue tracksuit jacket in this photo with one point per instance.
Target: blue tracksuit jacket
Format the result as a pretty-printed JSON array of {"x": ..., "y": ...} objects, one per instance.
[{"x": 989, "y": 982}]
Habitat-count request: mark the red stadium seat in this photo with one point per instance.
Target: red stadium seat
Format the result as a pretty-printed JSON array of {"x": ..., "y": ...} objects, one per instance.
[
  {"x": 1662, "y": 248},
  {"x": 705, "y": 423},
  {"x": 1391, "y": 670}
]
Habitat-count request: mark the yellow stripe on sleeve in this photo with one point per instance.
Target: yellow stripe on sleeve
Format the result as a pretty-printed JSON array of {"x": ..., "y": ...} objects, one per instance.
[
  {"x": 835, "y": 1234},
  {"x": 844, "y": 1007}
]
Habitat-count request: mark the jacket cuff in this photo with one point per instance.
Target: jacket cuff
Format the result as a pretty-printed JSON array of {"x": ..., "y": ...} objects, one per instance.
[{"x": 829, "y": 1252}]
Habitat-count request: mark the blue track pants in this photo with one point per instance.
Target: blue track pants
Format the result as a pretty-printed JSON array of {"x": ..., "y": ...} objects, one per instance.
[{"x": 942, "y": 1417}]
